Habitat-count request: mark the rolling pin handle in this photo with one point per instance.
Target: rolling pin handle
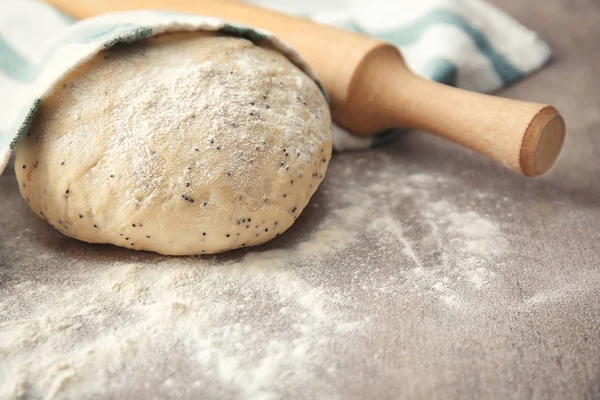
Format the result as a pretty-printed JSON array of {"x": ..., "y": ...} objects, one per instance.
[{"x": 524, "y": 136}]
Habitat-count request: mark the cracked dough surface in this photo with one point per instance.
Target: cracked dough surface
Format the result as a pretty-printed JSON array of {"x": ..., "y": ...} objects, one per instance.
[{"x": 181, "y": 144}]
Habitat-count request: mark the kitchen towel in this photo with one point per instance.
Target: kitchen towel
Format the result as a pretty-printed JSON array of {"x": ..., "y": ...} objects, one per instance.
[{"x": 464, "y": 43}]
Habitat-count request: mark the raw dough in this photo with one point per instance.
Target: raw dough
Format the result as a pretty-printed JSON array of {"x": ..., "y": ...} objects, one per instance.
[{"x": 187, "y": 143}]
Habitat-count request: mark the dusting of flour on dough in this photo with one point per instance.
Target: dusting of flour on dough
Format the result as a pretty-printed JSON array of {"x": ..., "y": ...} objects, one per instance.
[
  {"x": 181, "y": 144},
  {"x": 255, "y": 324}
]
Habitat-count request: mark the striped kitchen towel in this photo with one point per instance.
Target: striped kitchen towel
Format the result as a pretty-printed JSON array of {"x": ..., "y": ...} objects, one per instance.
[{"x": 465, "y": 43}]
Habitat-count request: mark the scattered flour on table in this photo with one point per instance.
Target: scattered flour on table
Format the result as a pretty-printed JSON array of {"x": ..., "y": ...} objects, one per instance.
[{"x": 256, "y": 324}]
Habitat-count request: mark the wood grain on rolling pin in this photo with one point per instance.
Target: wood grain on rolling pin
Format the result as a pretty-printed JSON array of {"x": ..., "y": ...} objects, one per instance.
[{"x": 372, "y": 90}]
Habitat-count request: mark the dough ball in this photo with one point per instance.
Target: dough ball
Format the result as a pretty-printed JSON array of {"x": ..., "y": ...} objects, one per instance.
[{"x": 186, "y": 143}]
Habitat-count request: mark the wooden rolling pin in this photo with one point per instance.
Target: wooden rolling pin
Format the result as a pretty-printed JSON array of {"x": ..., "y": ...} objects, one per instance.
[{"x": 372, "y": 90}]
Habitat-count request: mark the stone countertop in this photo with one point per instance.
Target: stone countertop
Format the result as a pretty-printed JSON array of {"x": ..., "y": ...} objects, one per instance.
[{"x": 434, "y": 273}]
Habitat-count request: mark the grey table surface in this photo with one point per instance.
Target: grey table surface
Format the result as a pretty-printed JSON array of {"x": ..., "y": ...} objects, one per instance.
[{"x": 530, "y": 328}]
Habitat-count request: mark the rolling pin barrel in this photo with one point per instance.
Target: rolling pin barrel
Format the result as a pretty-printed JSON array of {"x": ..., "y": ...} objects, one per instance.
[{"x": 372, "y": 90}]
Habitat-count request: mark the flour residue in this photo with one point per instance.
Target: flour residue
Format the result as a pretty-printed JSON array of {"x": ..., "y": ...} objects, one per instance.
[{"x": 254, "y": 324}]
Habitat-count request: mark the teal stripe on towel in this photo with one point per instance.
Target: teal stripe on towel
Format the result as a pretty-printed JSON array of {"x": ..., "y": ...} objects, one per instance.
[
  {"x": 388, "y": 136},
  {"x": 412, "y": 32},
  {"x": 351, "y": 26},
  {"x": 441, "y": 70},
  {"x": 13, "y": 65}
]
